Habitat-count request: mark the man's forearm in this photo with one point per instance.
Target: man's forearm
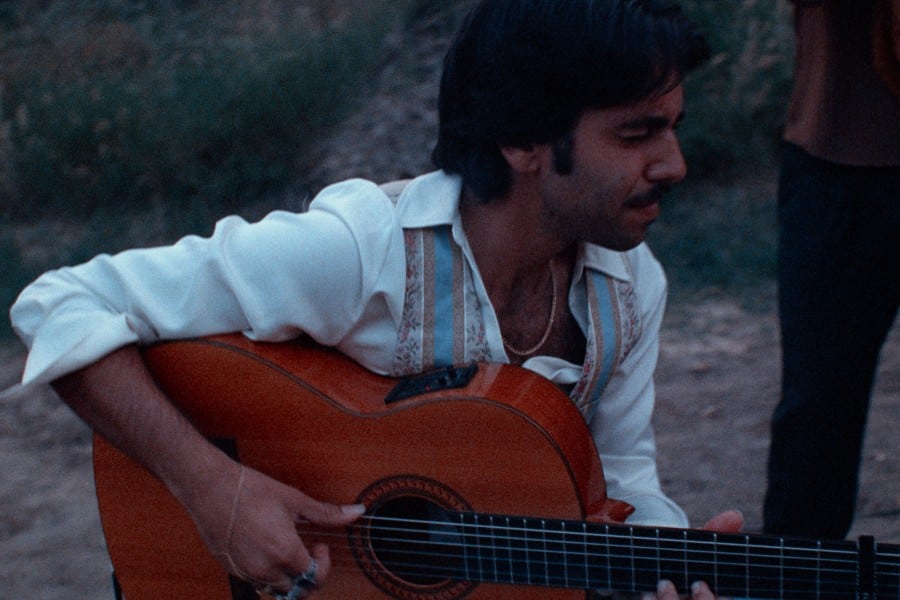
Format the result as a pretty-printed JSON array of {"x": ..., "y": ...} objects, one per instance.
[{"x": 118, "y": 398}]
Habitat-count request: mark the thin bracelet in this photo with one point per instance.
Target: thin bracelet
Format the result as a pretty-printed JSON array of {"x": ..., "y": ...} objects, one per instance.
[{"x": 234, "y": 505}]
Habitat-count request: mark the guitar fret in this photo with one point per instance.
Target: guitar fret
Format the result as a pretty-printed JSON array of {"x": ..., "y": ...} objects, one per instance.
[
  {"x": 781, "y": 563},
  {"x": 747, "y": 563},
  {"x": 585, "y": 553},
  {"x": 609, "y": 561},
  {"x": 465, "y": 561},
  {"x": 558, "y": 549},
  {"x": 658, "y": 557},
  {"x": 512, "y": 570},
  {"x": 887, "y": 572},
  {"x": 546, "y": 560},
  {"x": 494, "y": 548},
  {"x": 644, "y": 548},
  {"x": 715, "y": 563},
  {"x": 818, "y": 570},
  {"x": 631, "y": 556},
  {"x": 528, "y": 561}
]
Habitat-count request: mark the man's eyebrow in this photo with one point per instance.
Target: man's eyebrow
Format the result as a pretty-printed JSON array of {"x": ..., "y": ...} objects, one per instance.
[{"x": 652, "y": 122}]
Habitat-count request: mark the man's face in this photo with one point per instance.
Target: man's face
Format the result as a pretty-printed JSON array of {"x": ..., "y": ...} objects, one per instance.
[{"x": 623, "y": 159}]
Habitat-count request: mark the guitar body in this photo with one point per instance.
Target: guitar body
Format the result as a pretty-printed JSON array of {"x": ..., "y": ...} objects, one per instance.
[{"x": 505, "y": 442}]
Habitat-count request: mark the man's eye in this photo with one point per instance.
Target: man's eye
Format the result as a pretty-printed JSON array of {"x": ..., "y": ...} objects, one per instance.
[{"x": 635, "y": 135}]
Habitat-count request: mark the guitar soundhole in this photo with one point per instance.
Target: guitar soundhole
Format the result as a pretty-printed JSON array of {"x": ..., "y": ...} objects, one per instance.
[
  {"x": 415, "y": 541},
  {"x": 409, "y": 545}
]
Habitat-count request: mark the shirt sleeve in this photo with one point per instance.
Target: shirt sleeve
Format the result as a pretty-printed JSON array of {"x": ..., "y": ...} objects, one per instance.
[
  {"x": 287, "y": 274},
  {"x": 622, "y": 427}
]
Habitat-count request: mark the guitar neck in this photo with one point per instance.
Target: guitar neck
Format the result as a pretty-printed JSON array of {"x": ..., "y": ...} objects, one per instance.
[{"x": 577, "y": 554}]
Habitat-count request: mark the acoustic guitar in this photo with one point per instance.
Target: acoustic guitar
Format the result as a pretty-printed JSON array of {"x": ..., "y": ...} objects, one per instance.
[{"x": 478, "y": 481}]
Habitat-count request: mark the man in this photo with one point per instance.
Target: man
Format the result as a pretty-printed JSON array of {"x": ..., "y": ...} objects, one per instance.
[
  {"x": 557, "y": 140},
  {"x": 839, "y": 257}
]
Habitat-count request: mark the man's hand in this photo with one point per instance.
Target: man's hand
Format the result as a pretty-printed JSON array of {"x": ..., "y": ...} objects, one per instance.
[
  {"x": 259, "y": 541},
  {"x": 727, "y": 522}
]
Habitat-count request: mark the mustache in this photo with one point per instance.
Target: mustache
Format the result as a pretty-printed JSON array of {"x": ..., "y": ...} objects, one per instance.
[{"x": 653, "y": 196}]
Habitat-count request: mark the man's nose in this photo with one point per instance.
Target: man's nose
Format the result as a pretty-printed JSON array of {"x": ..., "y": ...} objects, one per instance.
[{"x": 668, "y": 165}]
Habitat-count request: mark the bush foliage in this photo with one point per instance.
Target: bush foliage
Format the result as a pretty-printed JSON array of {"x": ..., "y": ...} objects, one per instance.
[{"x": 123, "y": 102}]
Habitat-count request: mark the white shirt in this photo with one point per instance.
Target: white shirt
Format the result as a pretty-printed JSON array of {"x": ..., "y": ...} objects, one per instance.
[{"x": 336, "y": 273}]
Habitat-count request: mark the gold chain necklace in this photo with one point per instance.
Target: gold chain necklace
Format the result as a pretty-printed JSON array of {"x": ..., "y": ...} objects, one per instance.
[{"x": 546, "y": 335}]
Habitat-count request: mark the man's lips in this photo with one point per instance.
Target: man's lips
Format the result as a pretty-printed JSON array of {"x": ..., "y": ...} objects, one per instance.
[{"x": 647, "y": 200}]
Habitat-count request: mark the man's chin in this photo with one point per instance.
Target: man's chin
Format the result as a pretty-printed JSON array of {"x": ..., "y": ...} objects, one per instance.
[
  {"x": 633, "y": 237},
  {"x": 624, "y": 244}
]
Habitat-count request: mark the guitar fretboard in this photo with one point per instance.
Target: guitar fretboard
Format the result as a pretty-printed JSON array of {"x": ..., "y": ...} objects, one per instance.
[{"x": 576, "y": 554}]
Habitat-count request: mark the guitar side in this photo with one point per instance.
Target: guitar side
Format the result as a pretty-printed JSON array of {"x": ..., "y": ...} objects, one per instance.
[{"x": 507, "y": 442}]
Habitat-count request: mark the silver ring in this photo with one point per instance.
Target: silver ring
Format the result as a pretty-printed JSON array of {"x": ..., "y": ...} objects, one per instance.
[{"x": 303, "y": 583}]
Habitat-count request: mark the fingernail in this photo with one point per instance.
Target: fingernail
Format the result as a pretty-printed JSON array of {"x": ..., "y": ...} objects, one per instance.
[
  {"x": 696, "y": 587},
  {"x": 664, "y": 586},
  {"x": 353, "y": 509}
]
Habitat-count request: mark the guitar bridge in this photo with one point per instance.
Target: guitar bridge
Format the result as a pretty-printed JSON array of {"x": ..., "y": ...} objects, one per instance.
[{"x": 445, "y": 378}]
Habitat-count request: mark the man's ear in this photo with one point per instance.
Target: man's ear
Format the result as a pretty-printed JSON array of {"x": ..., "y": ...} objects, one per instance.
[{"x": 527, "y": 159}]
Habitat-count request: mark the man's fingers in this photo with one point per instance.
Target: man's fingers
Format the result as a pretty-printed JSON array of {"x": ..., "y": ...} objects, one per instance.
[
  {"x": 701, "y": 591},
  {"x": 665, "y": 590},
  {"x": 323, "y": 559},
  {"x": 728, "y": 522},
  {"x": 321, "y": 513}
]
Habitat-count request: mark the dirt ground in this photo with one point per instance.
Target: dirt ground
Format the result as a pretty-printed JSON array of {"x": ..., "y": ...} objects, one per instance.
[{"x": 717, "y": 384}]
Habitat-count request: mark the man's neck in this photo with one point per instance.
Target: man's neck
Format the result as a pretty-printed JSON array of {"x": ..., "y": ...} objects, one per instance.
[{"x": 510, "y": 246}]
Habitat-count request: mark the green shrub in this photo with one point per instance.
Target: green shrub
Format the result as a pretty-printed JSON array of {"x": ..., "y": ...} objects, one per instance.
[
  {"x": 719, "y": 234},
  {"x": 736, "y": 102},
  {"x": 222, "y": 122},
  {"x": 13, "y": 277}
]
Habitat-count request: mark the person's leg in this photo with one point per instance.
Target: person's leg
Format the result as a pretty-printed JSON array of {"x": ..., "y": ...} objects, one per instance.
[{"x": 838, "y": 281}]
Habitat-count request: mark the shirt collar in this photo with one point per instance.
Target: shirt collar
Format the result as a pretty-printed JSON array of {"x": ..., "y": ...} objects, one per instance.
[{"x": 433, "y": 199}]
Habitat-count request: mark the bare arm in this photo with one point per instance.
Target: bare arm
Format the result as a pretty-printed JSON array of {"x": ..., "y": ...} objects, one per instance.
[{"x": 247, "y": 519}]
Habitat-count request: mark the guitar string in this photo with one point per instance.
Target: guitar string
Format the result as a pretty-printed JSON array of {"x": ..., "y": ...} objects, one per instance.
[
  {"x": 415, "y": 570},
  {"x": 696, "y": 546},
  {"x": 627, "y": 577},
  {"x": 672, "y": 543},
  {"x": 507, "y": 558},
  {"x": 675, "y": 546},
  {"x": 739, "y": 569},
  {"x": 761, "y": 585},
  {"x": 849, "y": 581},
  {"x": 633, "y": 580},
  {"x": 678, "y": 546}
]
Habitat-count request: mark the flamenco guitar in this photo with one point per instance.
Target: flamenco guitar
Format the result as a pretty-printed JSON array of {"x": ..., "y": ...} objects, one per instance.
[{"x": 478, "y": 481}]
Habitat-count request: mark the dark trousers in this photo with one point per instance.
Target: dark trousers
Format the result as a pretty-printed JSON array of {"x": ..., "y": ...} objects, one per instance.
[{"x": 839, "y": 289}]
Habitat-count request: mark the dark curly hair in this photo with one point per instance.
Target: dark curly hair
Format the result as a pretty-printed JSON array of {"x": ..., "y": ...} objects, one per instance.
[{"x": 521, "y": 72}]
